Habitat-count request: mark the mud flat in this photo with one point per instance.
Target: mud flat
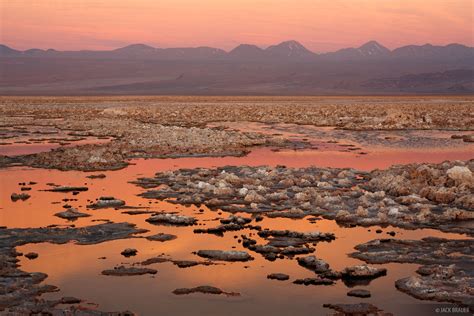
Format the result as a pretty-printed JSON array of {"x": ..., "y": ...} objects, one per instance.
[{"x": 163, "y": 127}]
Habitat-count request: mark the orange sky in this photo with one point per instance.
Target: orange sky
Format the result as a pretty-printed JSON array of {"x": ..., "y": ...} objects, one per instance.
[{"x": 320, "y": 25}]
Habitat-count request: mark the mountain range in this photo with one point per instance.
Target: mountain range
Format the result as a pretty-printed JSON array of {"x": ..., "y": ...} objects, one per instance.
[
  {"x": 288, "y": 50},
  {"x": 284, "y": 68}
]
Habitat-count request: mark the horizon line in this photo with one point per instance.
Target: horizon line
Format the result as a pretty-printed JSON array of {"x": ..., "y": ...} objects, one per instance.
[{"x": 228, "y": 51}]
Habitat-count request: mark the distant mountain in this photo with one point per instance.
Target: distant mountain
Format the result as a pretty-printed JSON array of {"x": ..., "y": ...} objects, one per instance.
[
  {"x": 370, "y": 49},
  {"x": 373, "y": 48},
  {"x": 145, "y": 51},
  {"x": 285, "y": 68},
  {"x": 135, "y": 49},
  {"x": 7, "y": 51},
  {"x": 434, "y": 52},
  {"x": 289, "y": 49},
  {"x": 34, "y": 52},
  {"x": 247, "y": 51},
  {"x": 191, "y": 53}
]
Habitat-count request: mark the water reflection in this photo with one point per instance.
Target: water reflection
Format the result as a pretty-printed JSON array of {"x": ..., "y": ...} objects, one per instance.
[{"x": 76, "y": 269}]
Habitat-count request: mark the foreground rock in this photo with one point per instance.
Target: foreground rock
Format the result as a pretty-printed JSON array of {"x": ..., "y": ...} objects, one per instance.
[
  {"x": 222, "y": 255},
  {"x": 138, "y": 212},
  {"x": 277, "y": 248},
  {"x": 19, "y": 196},
  {"x": 429, "y": 250},
  {"x": 129, "y": 252},
  {"x": 25, "y": 288},
  {"x": 68, "y": 189},
  {"x": 437, "y": 196},
  {"x": 31, "y": 255},
  {"x": 447, "y": 272},
  {"x": 278, "y": 276},
  {"x": 96, "y": 176},
  {"x": 440, "y": 283},
  {"x": 285, "y": 243},
  {"x": 232, "y": 223},
  {"x": 314, "y": 281},
  {"x": 359, "y": 309},
  {"x": 107, "y": 202},
  {"x": 179, "y": 263},
  {"x": 83, "y": 236},
  {"x": 359, "y": 293},
  {"x": 128, "y": 271},
  {"x": 314, "y": 264},
  {"x": 362, "y": 271},
  {"x": 205, "y": 289},
  {"x": 71, "y": 214},
  {"x": 172, "y": 219},
  {"x": 162, "y": 237}
]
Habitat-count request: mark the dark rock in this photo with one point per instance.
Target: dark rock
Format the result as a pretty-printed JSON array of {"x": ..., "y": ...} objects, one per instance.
[
  {"x": 19, "y": 196},
  {"x": 129, "y": 252},
  {"x": 71, "y": 214},
  {"x": 359, "y": 309},
  {"x": 314, "y": 264},
  {"x": 128, "y": 271},
  {"x": 440, "y": 283},
  {"x": 106, "y": 202},
  {"x": 205, "y": 289},
  {"x": 429, "y": 250},
  {"x": 362, "y": 271},
  {"x": 172, "y": 219},
  {"x": 278, "y": 276},
  {"x": 222, "y": 255},
  {"x": 161, "y": 237},
  {"x": 96, "y": 176},
  {"x": 138, "y": 212},
  {"x": 31, "y": 255},
  {"x": 70, "y": 300},
  {"x": 447, "y": 274},
  {"x": 68, "y": 189},
  {"x": 314, "y": 281},
  {"x": 359, "y": 293},
  {"x": 190, "y": 263}
]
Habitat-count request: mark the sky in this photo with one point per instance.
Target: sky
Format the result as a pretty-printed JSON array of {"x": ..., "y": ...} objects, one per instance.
[{"x": 320, "y": 25}]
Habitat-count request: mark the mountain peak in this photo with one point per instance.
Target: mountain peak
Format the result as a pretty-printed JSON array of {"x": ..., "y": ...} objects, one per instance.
[
  {"x": 248, "y": 47},
  {"x": 291, "y": 44},
  {"x": 247, "y": 51},
  {"x": 372, "y": 43},
  {"x": 373, "y": 48},
  {"x": 289, "y": 48},
  {"x": 136, "y": 47},
  {"x": 8, "y": 51}
]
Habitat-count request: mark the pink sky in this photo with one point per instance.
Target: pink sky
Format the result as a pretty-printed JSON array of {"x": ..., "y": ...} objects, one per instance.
[{"x": 320, "y": 25}]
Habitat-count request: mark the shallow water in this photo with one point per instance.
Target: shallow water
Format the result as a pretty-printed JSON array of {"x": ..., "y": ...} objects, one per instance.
[
  {"x": 33, "y": 139},
  {"x": 76, "y": 269}
]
